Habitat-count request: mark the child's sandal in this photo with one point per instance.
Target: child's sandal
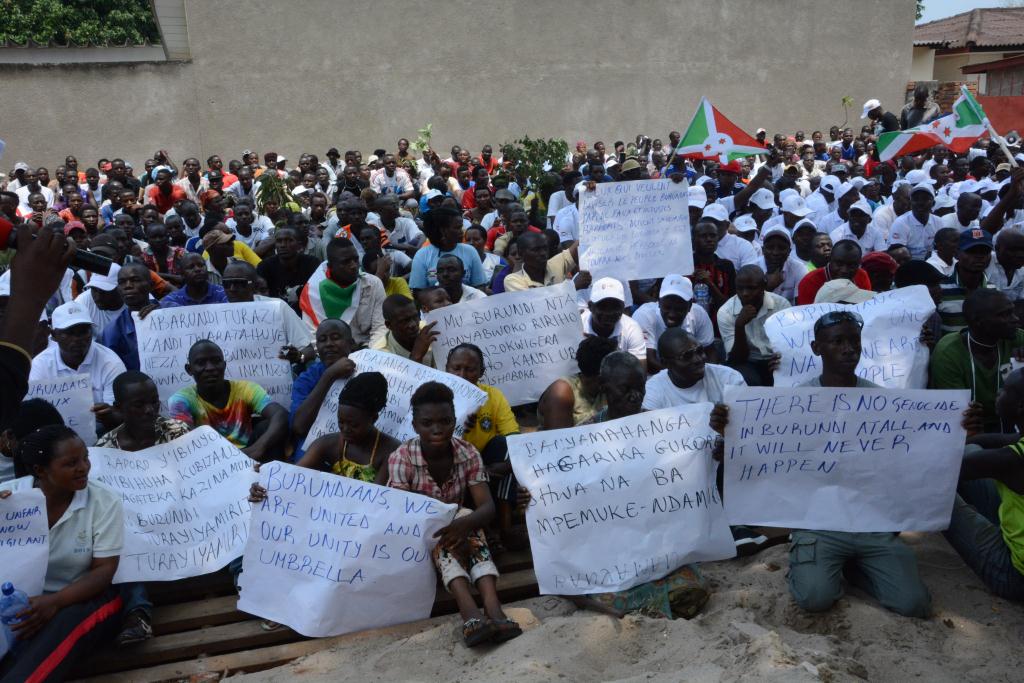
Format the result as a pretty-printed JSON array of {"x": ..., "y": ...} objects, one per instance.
[
  {"x": 477, "y": 631},
  {"x": 505, "y": 629}
]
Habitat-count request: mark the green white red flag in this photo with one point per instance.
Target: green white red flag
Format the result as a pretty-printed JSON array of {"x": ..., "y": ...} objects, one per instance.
[
  {"x": 712, "y": 136},
  {"x": 957, "y": 131}
]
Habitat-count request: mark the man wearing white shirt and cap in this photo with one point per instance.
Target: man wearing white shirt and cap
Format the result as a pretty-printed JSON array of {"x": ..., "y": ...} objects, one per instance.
[
  {"x": 916, "y": 228},
  {"x": 762, "y": 208},
  {"x": 697, "y": 199},
  {"x": 76, "y": 353},
  {"x": 730, "y": 247},
  {"x": 102, "y": 300},
  {"x": 885, "y": 121},
  {"x": 746, "y": 229},
  {"x": 687, "y": 378},
  {"x": 674, "y": 308},
  {"x": 823, "y": 200},
  {"x": 794, "y": 209},
  {"x": 898, "y": 205},
  {"x": 783, "y": 270},
  {"x": 605, "y": 317},
  {"x": 846, "y": 196},
  {"x": 858, "y": 228},
  {"x": 968, "y": 209}
]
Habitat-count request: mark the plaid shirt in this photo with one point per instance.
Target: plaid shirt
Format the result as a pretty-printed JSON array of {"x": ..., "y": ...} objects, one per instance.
[
  {"x": 407, "y": 470},
  {"x": 167, "y": 430}
]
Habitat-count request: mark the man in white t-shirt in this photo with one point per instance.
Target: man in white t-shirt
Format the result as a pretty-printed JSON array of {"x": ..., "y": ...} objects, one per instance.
[
  {"x": 102, "y": 300},
  {"x": 687, "y": 377},
  {"x": 561, "y": 199},
  {"x": 916, "y": 228},
  {"x": 741, "y": 321},
  {"x": 968, "y": 209},
  {"x": 674, "y": 308},
  {"x": 730, "y": 247},
  {"x": 31, "y": 186},
  {"x": 605, "y": 317},
  {"x": 859, "y": 229}
]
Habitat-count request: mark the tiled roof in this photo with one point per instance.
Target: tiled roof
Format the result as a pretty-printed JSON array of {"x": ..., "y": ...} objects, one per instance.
[{"x": 995, "y": 27}]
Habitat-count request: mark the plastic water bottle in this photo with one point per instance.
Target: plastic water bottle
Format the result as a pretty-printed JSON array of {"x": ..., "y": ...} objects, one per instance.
[
  {"x": 702, "y": 295},
  {"x": 12, "y": 602}
]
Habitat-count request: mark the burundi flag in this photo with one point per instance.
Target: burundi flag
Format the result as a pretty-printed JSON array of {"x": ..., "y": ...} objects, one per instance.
[
  {"x": 322, "y": 298},
  {"x": 957, "y": 131},
  {"x": 712, "y": 136}
]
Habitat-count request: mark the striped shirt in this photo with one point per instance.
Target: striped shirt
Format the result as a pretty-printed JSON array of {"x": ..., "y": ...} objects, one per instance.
[{"x": 951, "y": 309}]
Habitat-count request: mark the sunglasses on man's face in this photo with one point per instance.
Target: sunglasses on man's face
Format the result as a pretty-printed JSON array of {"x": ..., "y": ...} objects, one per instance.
[
  {"x": 833, "y": 318},
  {"x": 231, "y": 282}
]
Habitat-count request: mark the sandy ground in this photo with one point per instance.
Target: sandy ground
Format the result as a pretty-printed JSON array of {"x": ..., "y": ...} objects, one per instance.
[{"x": 749, "y": 631}]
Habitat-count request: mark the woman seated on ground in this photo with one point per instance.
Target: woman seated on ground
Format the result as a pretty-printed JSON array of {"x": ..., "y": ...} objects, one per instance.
[
  {"x": 486, "y": 430},
  {"x": 438, "y": 465},
  {"x": 576, "y": 398},
  {"x": 358, "y": 449},
  {"x": 78, "y": 609}
]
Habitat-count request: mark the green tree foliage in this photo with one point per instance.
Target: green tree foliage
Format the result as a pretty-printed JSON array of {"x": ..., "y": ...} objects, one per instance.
[
  {"x": 920, "y": 8},
  {"x": 530, "y": 155},
  {"x": 99, "y": 22}
]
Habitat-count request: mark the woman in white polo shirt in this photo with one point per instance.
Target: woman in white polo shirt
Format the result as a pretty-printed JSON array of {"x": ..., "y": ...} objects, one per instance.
[{"x": 78, "y": 609}]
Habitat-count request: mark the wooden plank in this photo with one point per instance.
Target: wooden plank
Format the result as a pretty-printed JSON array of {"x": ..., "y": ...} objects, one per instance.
[
  {"x": 227, "y": 630},
  {"x": 195, "y": 588}
]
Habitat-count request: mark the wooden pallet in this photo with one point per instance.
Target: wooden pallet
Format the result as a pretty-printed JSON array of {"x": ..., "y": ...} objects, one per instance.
[{"x": 198, "y": 629}]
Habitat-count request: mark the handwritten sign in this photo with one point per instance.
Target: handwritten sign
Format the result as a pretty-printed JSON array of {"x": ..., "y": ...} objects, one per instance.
[
  {"x": 404, "y": 378},
  {"x": 186, "y": 507},
  {"x": 843, "y": 459},
  {"x": 250, "y": 335},
  {"x": 892, "y": 354},
  {"x": 623, "y": 502},
  {"x": 529, "y": 338},
  {"x": 348, "y": 554},
  {"x": 24, "y": 540},
  {"x": 634, "y": 230},
  {"x": 72, "y": 397}
]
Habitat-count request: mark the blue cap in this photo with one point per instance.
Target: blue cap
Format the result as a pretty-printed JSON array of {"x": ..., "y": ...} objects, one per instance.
[
  {"x": 975, "y": 237},
  {"x": 7, "y": 588}
]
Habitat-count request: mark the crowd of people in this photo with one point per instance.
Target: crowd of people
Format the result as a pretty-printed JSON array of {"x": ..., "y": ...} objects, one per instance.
[{"x": 355, "y": 250}]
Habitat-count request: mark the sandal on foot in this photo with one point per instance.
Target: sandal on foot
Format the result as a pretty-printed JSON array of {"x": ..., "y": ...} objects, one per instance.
[
  {"x": 505, "y": 629},
  {"x": 477, "y": 631},
  {"x": 268, "y": 625}
]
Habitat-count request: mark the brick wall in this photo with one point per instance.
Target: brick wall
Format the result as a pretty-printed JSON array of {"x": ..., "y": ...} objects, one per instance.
[{"x": 944, "y": 92}]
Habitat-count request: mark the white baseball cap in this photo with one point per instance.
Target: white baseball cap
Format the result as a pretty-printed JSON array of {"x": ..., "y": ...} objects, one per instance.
[
  {"x": 795, "y": 205},
  {"x": 21, "y": 166},
  {"x": 430, "y": 194},
  {"x": 802, "y": 223},
  {"x": 676, "y": 285},
  {"x": 969, "y": 185},
  {"x": 698, "y": 197},
  {"x": 715, "y": 212},
  {"x": 68, "y": 315},
  {"x": 986, "y": 185},
  {"x": 788, "y": 192},
  {"x": 777, "y": 232},
  {"x": 859, "y": 182},
  {"x": 745, "y": 223},
  {"x": 842, "y": 291},
  {"x": 868, "y": 106},
  {"x": 944, "y": 201},
  {"x": 763, "y": 199},
  {"x": 862, "y": 206},
  {"x": 923, "y": 187},
  {"x": 918, "y": 176},
  {"x": 607, "y": 288},
  {"x": 106, "y": 283},
  {"x": 845, "y": 189},
  {"x": 830, "y": 183}
]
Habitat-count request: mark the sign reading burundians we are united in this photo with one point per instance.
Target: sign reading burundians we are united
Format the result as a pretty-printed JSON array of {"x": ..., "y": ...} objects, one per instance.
[
  {"x": 250, "y": 335},
  {"x": 891, "y": 351},
  {"x": 404, "y": 378},
  {"x": 623, "y": 502},
  {"x": 529, "y": 338},
  {"x": 843, "y": 459},
  {"x": 635, "y": 230},
  {"x": 72, "y": 397},
  {"x": 186, "y": 505},
  {"x": 350, "y": 555}
]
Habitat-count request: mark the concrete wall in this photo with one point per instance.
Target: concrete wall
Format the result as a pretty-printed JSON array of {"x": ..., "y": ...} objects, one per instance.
[{"x": 303, "y": 76}]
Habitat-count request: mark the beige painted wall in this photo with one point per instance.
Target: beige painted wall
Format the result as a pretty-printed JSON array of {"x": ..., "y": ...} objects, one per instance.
[
  {"x": 303, "y": 76},
  {"x": 922, "y": 68}
]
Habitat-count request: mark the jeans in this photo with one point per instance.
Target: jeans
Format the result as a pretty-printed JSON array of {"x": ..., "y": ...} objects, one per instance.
[
  {"x": 878, "y": 563},
  {"x": 975, "y": 533},
  {"x": 135, "y": 597}
]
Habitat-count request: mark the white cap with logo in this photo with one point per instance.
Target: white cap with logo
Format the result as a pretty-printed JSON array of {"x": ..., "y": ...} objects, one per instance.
[
  {"x": 676, "y": 285},
  {"x": 68, "y": 315},
  {"x": 607, "y": 288}
]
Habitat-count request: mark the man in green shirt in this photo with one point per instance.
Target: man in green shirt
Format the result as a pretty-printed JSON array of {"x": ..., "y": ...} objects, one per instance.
[{"x": 978, "y": 357}]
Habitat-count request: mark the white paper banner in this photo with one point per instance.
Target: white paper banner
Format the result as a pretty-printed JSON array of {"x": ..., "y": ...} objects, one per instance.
[
  {"x": 529, "y": 338},
  {"x": 843, "y": 459},
  {"x": 250, "y": 335},
  {"x": 892, "y": 355},
  {"x": 24, "y": 541},
  {"x": 342, "y": 555},
  {"x": 623, "y": 502},
  {"x": 72, "y": 397},
  {"x": 637, "y": 229},
  {"x": 186, "y": 508},
  {"x": 404, "y": 378}
]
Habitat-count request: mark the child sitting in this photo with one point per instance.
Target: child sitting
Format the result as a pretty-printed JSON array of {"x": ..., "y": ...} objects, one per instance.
[{"x": 438, "y": 465}]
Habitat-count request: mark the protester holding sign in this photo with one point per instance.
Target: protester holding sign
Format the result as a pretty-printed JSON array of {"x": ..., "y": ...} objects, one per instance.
[
  {"x": 333, "y": 344},
  {"x": 687, "y": 378},
  {"x": 461, "y": 555},
  {"x": 240, "y": 411},
  {"x": 138, "y": 402},
  {"x": 79, "y": 609},
  {"x": 741, "y": 322}
]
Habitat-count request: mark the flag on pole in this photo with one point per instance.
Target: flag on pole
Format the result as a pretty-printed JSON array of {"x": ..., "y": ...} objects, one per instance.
[
  {"x": 712, "y": 136},
  {"x": 957, "y": 131}
]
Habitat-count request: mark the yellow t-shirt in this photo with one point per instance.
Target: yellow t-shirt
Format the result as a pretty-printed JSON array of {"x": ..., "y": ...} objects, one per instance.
[
  {"x": 242, "y": 253},
  {"x": 397, "y": 285},
  {"x": 494, "y": 418}
]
